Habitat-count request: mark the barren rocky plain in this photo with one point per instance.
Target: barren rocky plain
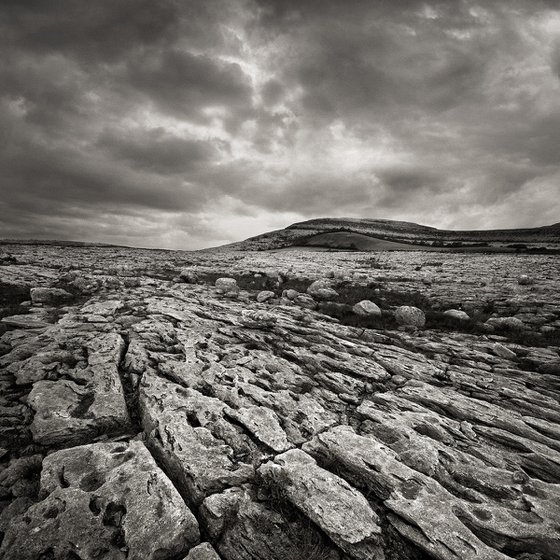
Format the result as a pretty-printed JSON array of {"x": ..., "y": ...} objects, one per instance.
[{"x": 288, "y": 404}]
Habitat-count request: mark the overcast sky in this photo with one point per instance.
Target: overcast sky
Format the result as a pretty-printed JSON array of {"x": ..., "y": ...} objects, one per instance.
[{"x": 185, "y": 124}]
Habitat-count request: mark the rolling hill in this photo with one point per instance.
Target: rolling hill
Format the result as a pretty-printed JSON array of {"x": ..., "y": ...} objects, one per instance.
[{"x": 364, "y": 234}]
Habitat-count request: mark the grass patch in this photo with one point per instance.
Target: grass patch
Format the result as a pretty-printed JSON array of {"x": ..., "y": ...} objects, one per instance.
[{"x": 306, "y": 541}]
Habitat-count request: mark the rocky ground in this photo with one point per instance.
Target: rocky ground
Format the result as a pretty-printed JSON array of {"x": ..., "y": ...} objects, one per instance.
[{"x": 281, "y": 405}]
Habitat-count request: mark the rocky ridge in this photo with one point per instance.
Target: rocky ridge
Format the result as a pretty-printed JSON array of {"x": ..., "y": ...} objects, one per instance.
[{"x": 160, "y": 412}]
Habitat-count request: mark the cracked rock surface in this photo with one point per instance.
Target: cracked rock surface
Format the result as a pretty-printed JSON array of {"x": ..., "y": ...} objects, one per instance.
[
  {"x": 244, "y": 405},
  {"x": 104, "y": 500}
]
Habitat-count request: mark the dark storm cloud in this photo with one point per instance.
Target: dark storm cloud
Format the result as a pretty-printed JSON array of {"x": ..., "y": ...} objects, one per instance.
[
  {"x": 155, "y": 150},
  {"x": 124, "y": 119},
  {"x": 402, "y": 179},
  {"x": 357, "y": 58},
  {"x": 181, "y": 83},
  {"x": 98, "y": 31}
]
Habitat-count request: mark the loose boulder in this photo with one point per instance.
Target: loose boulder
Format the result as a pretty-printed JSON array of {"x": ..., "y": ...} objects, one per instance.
[
  {"x": 322, "y": 289},
  {"x": 203, "y": 551},
  {"x": 188, "y": 276},
  {"x": 290, "y": 294},
  {"x": 456, "y": 314},
  {"x": 265, "y": 296},
  {"x": 367, "y": 308},
  {"x": 411, "y": 316},
  {"x": 227, "y": 286}
]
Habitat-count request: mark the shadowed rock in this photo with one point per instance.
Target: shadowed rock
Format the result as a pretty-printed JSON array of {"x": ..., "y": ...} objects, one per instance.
[{"x": 328, "y": 500}]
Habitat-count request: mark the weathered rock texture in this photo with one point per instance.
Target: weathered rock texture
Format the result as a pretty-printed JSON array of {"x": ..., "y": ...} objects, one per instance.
[
  {"x": 103, "y": 500},
  {"x": 244, "y": 406}
]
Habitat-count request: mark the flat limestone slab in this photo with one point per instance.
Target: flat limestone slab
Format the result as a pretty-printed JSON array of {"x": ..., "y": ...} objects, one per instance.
[
  {"x": 103, "y": 500},
  {"x": 264, "y": 424},
  {"x": 200, "y": 463},
  {"x": 68, "y": 412}
]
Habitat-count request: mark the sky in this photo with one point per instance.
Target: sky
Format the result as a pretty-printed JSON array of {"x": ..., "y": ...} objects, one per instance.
[{"x": 186, "y": 124}]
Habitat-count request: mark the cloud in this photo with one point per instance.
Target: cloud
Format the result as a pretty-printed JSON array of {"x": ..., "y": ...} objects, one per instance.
[
  {"x": 184, "y": 84},
  {"x": 188, "y": 124},
  {"x": 91, "y": 31},
  {"x": 155, "y": 150}
]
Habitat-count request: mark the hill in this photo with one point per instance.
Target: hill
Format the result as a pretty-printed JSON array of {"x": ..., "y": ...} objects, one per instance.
[{"x": 366, "y": 234}]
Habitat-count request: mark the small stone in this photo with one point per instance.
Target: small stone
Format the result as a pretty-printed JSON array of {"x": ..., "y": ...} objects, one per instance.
[
  {"x": 188, "y": 276},
  {"x": 96, "y": 319},
  {"x": 227, "y": 286},
  {"x": 525, "y": 280},
  {"x": 265, "y": 296},
  {"x": 203, "y": 551},
  {"x": 367, "y": 308},
  {"x": 399, "y": 380},
  {"x": 322, "y": 289},
  {"x": 24, "y": 467},
  {"x": 24, "y": 487},
  {"x": 290, "y": 294},
  {"x": 305, "y": 301},
  {"x": 457, "y": 314},
  {"x": 410, "y": 316}
]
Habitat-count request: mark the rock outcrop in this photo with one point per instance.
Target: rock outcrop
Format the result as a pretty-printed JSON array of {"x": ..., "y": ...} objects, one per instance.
[
  {"x": 231, "y": 412},
  {"x": 103, "y": 500}
]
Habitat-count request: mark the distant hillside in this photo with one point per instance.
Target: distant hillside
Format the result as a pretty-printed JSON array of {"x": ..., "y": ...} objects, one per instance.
[
  {"x": 366, "y": 234},
  {"x": 56, "y": 243},
  {"x": 53, "y": 242}
]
